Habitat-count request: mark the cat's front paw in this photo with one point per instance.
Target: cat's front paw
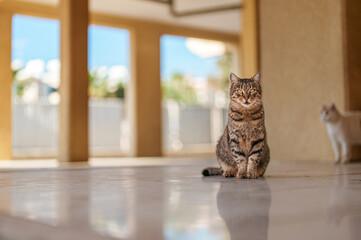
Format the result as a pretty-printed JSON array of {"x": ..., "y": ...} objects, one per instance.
[
  {"x": 346, "y": 158},
  {"x": 241, "y": 175},
  {"x": 252, "y": 175},
  {"x": 337, "y": 161},
  {"x": 228, "y": 174}
]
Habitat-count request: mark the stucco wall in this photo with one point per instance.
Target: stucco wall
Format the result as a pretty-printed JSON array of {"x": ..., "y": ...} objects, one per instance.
[{"x": 302, "y": 68}]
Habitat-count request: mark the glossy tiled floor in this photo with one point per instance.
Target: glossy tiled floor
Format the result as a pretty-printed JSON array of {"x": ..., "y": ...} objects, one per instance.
[{"x": 294, "y": 201}]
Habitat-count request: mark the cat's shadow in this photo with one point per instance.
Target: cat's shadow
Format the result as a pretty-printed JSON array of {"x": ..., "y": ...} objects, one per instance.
[
  {"x": 344, "y": 200},
  {"x": 244, "y": 206}
]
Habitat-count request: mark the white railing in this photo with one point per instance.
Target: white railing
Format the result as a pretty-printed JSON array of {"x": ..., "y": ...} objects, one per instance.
[{"x": 35, "y": 127}]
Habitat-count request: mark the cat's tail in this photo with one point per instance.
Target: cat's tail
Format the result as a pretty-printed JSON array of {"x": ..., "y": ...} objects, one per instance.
[{"x": 211, "y": 171}]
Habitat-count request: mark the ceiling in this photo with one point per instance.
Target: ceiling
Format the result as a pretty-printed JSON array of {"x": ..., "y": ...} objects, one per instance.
[{"x": 228, "y": 21}]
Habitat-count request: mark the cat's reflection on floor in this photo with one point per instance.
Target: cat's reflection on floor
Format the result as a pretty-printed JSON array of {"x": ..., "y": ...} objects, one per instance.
[
  {"x": 344, "y": 201},
  {"x": 244, "y": 207}
]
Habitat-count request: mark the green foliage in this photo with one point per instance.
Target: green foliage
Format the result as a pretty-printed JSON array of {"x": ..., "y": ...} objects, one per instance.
[
  {"x": 179, "y": 89},
  {"x": 18, "y": 86},
  {"x": 221, "y": 80},
  {"x": 99, "y": 87}
]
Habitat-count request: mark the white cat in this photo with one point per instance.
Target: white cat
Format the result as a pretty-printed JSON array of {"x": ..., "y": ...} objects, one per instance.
[{"x": 344, "y": 131}]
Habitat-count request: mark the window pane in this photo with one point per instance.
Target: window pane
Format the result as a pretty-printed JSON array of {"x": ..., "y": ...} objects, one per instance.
[
  {"x": 109, "y": 74},
  {"x": 36, "y": 68},
  {"x": 195, "y": 77}
]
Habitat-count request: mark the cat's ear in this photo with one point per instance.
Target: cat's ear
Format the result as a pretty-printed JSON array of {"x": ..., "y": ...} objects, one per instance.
[
  {"x": 233, "y": 78},
  {"x": 257, "y": 78},
  {"x": 333, "y": 107}
]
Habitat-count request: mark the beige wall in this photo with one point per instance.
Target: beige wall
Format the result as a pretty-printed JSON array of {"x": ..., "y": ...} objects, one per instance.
[
  {"x": 249, "y": 43},
  {"x": 302, "y": 68}
]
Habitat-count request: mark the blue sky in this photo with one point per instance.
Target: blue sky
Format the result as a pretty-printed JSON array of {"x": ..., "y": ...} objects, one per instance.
[
  {"x": 108, "y": 46},
  {"x": 176, "y": 58},
  {"x": 40, "y": 38},
  {"x": 35, "y": 38}
]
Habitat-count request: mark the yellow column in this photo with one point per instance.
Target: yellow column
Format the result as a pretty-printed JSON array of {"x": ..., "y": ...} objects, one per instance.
[
  {"x": 352, "y": 52},
  {"x": 145, "y": 93},
  {"x": 249, "y": 42},
  {"x": 352, "y": 59},
  {"x": 73, "y": 129},
  {"x": 5, "y": 80}
]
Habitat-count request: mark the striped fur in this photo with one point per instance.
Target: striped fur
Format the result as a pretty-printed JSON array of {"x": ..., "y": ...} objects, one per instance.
[
  {"x": 242, "y": 150},
  {"x": 211, "y": 171}
]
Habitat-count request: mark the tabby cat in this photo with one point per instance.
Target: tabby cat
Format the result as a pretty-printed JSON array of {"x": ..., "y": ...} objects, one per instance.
[{"x": 242, "y": 150}]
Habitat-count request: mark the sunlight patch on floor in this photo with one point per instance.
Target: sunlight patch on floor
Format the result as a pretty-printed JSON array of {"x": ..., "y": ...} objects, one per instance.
[
  {"x": 93, "y": 162},
  {"x": 21, "y": 164}
]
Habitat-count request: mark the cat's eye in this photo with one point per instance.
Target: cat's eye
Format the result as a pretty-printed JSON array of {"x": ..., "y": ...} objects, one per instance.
[
  {"x": 240, "y": 91},
  {"x": 251, "y": 91}
]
